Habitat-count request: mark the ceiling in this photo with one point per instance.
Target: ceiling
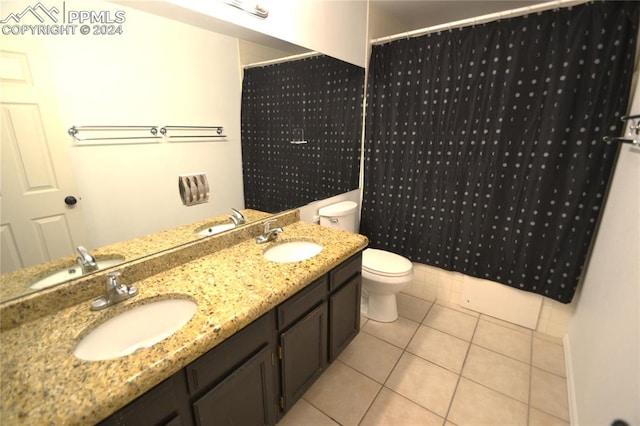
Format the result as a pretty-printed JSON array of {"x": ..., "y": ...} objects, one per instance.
[{"x": 416, "y": 14}]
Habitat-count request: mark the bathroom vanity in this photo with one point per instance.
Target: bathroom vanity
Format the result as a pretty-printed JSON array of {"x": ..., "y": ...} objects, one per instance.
[
  {"x": 261, "y": 334},
  {"x": 256, "y": 375}
]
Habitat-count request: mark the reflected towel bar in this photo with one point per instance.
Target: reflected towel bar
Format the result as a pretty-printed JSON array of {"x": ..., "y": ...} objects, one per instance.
[
  {"x": 211, "y": 132},
  {"x": 621, "y": 140},
  {"x": 634, "y": 130},
  {"x": 74, "y": 130},
  {"x": 218, "y": 129}
]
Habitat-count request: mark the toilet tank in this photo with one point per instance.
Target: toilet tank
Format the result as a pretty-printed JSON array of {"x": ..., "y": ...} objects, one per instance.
[{"x": 340, "y": 215}]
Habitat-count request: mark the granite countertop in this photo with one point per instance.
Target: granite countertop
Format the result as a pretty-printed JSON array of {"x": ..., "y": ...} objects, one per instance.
[
  {"x": 17, "y": 283},
  {"x": 44, "y": 383}
]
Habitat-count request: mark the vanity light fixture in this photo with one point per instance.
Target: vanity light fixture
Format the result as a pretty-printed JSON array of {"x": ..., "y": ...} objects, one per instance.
[{"x": 256, "y": 10}]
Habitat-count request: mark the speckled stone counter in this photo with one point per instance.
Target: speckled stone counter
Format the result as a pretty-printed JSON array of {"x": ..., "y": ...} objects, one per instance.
[{"x": 44, "y": 383}]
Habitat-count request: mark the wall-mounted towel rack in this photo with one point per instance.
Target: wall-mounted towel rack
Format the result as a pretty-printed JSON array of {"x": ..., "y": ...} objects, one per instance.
[
  {"x": 634, "y": 130},
  {"x": 105, "y": 132},
  {"x": 621, "y": 140},
  {"x": 193, "y": 131}
]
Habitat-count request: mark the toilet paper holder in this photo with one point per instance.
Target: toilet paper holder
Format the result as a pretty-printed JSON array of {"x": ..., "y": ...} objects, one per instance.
[{"x": 193, "y": 188}]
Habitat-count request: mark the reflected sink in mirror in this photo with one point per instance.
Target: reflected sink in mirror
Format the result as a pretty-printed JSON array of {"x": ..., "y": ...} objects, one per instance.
[
  {"x": 292, "y": 251},
  {"x": 66, "y": 274},
  {"x": 214, "y": 229},
  {"x": 139, "y": 327}
]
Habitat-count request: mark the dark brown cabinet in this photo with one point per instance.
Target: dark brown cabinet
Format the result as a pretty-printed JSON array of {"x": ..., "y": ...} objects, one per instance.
[
  {"x": 246, "y": 397},
  {"x": 256, "y": 375},
  {"x": 235, "y": 382},
  {"x": 166, "y": 405},
  {"x": 302, "y": 341},
  {"x": 344, "y": 316},
  {"x": 345, "y": 284}
]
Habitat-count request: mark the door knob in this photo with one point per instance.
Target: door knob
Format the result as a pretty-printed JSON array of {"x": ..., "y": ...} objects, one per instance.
[{"x": 70, "y": 200}]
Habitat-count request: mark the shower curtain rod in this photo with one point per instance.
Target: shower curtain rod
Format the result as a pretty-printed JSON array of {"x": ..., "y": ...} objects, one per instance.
[
  {"x": 479, "y": 20},
  {"x": 280, "y": 60}
]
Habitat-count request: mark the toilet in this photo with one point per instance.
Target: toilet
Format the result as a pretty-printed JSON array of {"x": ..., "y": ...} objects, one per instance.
[{"x": 384, "y": 274}]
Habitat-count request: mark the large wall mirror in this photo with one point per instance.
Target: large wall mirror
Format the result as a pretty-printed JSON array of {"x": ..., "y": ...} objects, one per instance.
[
  {"x": 157, "y": 72},
  {"x": 301, "y": 131}
]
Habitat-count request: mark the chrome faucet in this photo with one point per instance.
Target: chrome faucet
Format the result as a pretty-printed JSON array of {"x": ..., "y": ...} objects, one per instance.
[
  {"x": 115, "y": 292},
  {"x": 236, "y": 217},
  {"x": 86, "y": 261},
  {"x": 269, "y": 233}
]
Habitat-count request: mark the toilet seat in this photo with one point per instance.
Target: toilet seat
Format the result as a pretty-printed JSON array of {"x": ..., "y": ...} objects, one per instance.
[{"x": 384, "y": 263}]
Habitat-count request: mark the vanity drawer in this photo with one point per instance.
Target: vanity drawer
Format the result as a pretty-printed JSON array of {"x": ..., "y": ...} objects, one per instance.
[
  {"x": 302, "y": 302},
  {"x": 166, "y": 404},
  {"x": 346, "y": 270},
  {"x": 216, "y": 364}
]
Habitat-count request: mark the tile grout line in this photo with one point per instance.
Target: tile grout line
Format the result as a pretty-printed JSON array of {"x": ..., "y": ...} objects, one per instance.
[
  {"x": 530, "y": 334},
  {"x": 453, "y": 396},
  {"x": 501, "y": 354},
  {"x": 417, "y": 404},
  {"x": 404, "y": 350},
  {"x": 544, "y": 409},
  {"x": 394, "y": 365}
]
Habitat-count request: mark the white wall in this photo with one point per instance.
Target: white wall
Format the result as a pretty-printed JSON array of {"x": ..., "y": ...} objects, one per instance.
[
  {"x": 382, "y": 25},
  {"x": 334, "y": 27},
  {"x": 251, "y": 53},
  {"x": 603, "y": 340},
  {"x": 158, "y": 72}
]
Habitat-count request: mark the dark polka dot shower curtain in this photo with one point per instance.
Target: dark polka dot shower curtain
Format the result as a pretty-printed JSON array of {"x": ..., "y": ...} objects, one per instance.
[
  {"x": 483, "y": 145},
  {"x": 301, "y": 131}
]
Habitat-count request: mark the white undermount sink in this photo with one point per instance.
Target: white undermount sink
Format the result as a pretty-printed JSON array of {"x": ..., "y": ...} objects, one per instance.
[
  {"x": 215, "y": 229},
  {"x": 66, "y": 274},
  {"x": 292, "y": 251},
  {"x": 139, "y": 327}
]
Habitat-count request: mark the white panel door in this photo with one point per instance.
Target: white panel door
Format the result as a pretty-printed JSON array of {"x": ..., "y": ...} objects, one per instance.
[{"x": 36, "y": 223}]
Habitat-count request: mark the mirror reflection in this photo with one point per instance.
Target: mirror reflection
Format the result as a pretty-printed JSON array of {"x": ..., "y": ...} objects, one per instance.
[
  {"x": 118, "y": 199},
  {"x": 301, "y": 131}
]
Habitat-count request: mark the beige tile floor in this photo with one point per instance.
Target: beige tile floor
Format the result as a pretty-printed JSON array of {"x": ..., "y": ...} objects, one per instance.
[{"x": 440, "y": 364}]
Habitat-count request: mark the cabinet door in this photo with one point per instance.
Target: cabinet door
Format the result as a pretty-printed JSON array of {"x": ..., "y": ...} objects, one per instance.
[
  {"x": 344, "y": 316},
  {"x": 217, "y": 364},
  {"x": 245, "y": 398},
  {"x": 166, "y": 404},
  {"x": 303, "y": 350}
]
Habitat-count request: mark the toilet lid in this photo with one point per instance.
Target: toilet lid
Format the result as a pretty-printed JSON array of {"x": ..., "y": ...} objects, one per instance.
[{"x": 385, "y": 263}]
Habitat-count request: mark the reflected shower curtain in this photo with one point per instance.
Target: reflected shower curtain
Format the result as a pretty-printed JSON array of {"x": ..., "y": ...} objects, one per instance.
[
  {"x": 301, "y": 132},
  {"x": 483, "y": 145}
]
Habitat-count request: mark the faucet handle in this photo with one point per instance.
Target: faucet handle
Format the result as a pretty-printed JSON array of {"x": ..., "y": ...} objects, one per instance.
[
  {"x": 115, "y": 292},
  {"x": 267, "y": 225},
  {"x": 237, "y": 214},
  {"x": 111, "y": 280},
  {"x": 84, "y": 254}
]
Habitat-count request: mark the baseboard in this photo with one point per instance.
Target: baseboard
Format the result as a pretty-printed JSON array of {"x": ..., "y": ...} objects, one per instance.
[{"x": 571, "y": 389}]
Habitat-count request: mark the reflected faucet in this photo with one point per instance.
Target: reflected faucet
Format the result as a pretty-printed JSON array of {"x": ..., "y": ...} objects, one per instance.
[
  {"x": 269, "y": 234},
  {"x": 236, "y": 217},
  {"x": 86, "y": 261},
  {"x": 114, "y": 292}
]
